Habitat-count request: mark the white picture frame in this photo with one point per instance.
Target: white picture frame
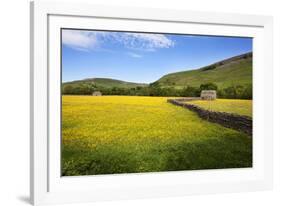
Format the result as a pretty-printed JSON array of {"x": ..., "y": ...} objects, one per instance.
[{"x": 47, "y": 186}]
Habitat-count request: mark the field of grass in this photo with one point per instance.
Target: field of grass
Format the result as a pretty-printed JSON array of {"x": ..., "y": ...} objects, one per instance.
[
  {"x": 126, "y": 134},
  {"x": 235, "y": 106}
]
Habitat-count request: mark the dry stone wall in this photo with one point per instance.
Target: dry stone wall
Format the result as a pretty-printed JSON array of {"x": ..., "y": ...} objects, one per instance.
[{"x": 237, "y": 122}]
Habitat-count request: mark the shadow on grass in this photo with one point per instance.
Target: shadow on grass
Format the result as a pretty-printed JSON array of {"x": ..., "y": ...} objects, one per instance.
[{"x": 217, "y": 153}]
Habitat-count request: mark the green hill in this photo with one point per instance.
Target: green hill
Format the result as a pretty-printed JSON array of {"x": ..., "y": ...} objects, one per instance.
[
  {"x": 233, "y": 71},
  {"x": 104, "y": 83}
]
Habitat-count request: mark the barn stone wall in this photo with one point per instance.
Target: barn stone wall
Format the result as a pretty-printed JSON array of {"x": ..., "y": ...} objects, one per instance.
[
  {"x": 208, "y": 94},
  {"x": 237, "y": 122}
]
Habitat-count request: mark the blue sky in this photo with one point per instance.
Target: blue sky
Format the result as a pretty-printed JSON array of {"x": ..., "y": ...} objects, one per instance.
[{"x": 141, "y": 57}]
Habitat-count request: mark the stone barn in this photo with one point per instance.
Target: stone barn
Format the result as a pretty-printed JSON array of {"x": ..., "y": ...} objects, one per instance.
[
  {"x": 97, "y": 93},
  {"x": 208, "y": 94}
]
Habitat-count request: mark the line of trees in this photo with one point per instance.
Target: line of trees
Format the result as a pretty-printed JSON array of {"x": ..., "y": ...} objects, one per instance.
[
  {"x": 231, "y": 92},
  {"x": 236, "y": 92}
]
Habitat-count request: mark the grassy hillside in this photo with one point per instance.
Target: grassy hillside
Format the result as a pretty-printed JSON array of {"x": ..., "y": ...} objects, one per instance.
[
  {"x": 105, "y": 82},
  {"x": 234, "y": 71}
]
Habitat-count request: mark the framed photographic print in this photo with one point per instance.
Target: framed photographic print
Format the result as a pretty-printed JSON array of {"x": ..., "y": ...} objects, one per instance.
[{"x": 126, "y": 105}]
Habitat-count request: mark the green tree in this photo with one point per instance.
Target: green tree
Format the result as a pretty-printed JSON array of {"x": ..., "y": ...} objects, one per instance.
[
  {"x": 68, "y": 89},
  {"x": 208, "y": 86},
  {"x": 190, "y": 92}
]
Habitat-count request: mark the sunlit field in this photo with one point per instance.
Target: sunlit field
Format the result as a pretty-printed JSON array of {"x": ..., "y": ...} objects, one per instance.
[
  {"x": 130, "y": 134},
  {"x": 235, "y": 106}
]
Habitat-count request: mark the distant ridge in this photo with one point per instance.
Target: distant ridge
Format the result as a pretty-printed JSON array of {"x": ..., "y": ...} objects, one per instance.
[{"x": 105, "y": 83}]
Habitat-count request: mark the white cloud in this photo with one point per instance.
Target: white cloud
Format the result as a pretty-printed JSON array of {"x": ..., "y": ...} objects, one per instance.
[
  {"x": 89, "y": 40},
  {"x": 80, "y": 40},
  {"x": 148, "y": 42},
  {"x": 134, "y": 55}
]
